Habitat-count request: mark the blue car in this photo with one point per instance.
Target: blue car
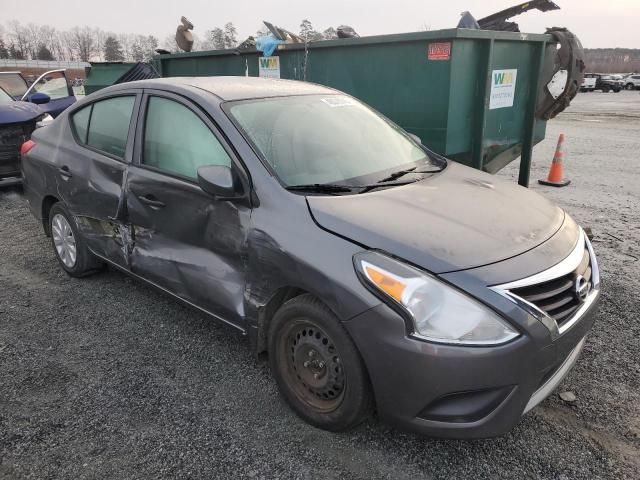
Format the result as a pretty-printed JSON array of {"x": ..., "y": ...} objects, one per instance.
[
  {"x": 23, "y": 108},
  {"x": 53, "y": 84}
]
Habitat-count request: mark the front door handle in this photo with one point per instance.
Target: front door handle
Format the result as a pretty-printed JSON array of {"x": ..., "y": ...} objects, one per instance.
[
  {"x": 65, "y": 172},
  {"x": 151, "y": 201}
]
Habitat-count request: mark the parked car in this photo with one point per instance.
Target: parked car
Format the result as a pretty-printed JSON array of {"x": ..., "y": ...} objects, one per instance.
[
  {"x": 17, "y": 121},
  {"x": 605, "y": 83},
  {"x": 588, "y": 84},
  {"x": 372, "y": 271},
  {"x": 632, "y": 82},
  {"x": 53, "y": 83}
]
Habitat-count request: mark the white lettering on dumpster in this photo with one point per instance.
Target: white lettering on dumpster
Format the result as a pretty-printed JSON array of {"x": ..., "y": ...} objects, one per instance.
[
  {"x": 269, "y": 67},
  {"x": 503, "y": 88}
]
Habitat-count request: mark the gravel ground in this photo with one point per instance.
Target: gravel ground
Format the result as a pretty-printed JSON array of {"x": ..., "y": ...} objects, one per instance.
[{"x": 106, "y": 378}]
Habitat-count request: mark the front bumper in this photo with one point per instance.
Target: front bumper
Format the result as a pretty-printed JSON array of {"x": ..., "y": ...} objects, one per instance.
[
  {"x": 11, "y": 138},
  {"x": 461, "y": 392}
]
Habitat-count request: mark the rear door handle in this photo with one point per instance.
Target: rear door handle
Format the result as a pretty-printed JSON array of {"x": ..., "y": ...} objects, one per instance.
[
  {"x": 151, "y": 201},
  {"x": 65, "y": 172}
]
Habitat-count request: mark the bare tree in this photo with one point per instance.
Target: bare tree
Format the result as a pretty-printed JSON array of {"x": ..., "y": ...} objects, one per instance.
[
  {"x": 83, "y": 43},
  {"x": 99, "y": 36},
  {"x": 230, "y": 35},
  {"x": 19, "y": 38}
]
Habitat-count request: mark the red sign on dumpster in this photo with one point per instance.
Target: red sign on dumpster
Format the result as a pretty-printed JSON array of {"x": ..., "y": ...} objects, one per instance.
[{"x": 439, "y": 51}]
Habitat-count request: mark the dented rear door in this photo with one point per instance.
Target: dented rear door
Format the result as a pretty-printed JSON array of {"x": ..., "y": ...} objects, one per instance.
[
  {"x": 184, "y": 240},
  {"x": 91, "y": 171}
]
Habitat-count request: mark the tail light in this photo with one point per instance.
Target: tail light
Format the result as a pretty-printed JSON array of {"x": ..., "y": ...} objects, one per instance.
[{"x": 26, "y": 147}]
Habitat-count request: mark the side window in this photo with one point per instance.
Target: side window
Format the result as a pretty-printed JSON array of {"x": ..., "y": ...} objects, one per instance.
[
  {"x": 177, "y": 141},
  {"x": 80, "y": 122},
  {"x": 109, "y": 126}
]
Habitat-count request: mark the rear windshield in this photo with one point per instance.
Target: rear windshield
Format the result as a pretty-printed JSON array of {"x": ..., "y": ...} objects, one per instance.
[{"x": 13, "y": 84}]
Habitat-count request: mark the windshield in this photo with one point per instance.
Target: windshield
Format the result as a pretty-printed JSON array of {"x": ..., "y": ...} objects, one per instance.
[
  {"x": 5, "y": 97},
  {"x": 326, "y": 139},
  {"x": 13, "y": 83}
]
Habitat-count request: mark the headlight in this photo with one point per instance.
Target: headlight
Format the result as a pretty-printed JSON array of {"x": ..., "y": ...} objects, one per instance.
[
  {"x": 440, "y": 313},
  {"x": 44, "y": 120}
]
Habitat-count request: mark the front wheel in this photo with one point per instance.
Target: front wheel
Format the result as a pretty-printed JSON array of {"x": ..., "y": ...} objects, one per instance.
[
  {"x": 630, "y": 86},
  {"x": 70, "y": 249},
  {"x": 317, "y": 367},
  {"x": 606, "y": 89}
]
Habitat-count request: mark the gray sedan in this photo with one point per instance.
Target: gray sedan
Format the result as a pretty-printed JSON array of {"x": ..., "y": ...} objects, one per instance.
[{"x": 375, "y": 274}]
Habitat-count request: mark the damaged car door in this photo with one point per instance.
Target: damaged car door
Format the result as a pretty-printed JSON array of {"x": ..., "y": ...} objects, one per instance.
[
  {"x": 90, "y": 174},
  {"x": 185, "y": 240}
]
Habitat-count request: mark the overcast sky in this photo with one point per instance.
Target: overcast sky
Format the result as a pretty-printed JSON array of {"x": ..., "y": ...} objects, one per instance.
[{"x": 598, "y": 23}]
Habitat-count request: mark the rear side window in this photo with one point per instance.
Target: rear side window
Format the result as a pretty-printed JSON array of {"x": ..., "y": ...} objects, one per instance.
[
  {"x": 177, "y": 141},
  {"x": 108, "y": 125},
  {"x": 80, "y": 122}
]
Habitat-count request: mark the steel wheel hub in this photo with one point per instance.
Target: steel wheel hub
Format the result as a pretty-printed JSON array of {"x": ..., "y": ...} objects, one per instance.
[
  {"x": 315, "y": 367},
  {"x": 64, "y": 240}
]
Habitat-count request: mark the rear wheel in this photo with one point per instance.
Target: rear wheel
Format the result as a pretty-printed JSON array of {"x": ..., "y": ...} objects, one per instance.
[
  {"x": 606, "y": 89},
  {"x": 317, "y": 367},
  {"x": 70, "y": 249}
]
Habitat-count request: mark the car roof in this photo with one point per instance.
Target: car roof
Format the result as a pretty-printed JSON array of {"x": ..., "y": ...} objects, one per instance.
[{"x": 237, "y": 88}]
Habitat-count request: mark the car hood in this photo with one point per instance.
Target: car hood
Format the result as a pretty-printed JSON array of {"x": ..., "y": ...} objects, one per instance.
[
  {"x": 458, "y": 219},
  {"x": 18, "y": 112}
]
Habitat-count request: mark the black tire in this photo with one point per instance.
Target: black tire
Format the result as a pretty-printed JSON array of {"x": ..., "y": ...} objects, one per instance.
[
  {"x": 630, "y": 86},
  {"x": 606, "y": 89},
  {"x": 85, "y": 262},
  {"x": 335, "y": 396}
]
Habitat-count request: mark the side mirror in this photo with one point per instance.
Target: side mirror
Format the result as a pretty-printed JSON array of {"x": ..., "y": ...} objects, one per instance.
[
  {"x": 40, "y": 98},
  {"x": 415, "y": 138},
  {"x": 218, "y": 180}
]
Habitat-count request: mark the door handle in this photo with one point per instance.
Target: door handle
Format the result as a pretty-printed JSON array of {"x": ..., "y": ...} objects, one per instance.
[
  {"x": 151, "y": 201},
  {"x": 65, "y": 172}
]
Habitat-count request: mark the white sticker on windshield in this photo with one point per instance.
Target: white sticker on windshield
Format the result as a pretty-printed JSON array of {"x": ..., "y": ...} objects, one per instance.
[{"x": 339, "y": 101}]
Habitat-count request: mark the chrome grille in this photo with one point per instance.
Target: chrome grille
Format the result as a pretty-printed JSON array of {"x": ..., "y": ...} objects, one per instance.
[{"x": 559, "y": 298}]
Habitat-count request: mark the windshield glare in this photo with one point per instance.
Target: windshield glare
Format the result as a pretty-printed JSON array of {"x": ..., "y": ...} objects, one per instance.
[{"x": 326, "y": 139}]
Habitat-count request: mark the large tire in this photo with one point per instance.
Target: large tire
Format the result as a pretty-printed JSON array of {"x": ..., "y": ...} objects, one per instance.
[
  {"x": 317, "y": 367},
  {"x": 68, "y": 245},
  {"x": 606, "y": 89}
]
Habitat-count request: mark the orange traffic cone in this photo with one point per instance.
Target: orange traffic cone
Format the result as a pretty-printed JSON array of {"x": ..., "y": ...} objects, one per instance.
[{"x": 556, "y": 172}]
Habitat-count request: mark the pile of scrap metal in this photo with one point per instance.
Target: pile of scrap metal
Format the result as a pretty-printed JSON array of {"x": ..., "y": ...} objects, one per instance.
[
  {"x": 563, "y": 72},
  {"x": 278, "y": 35},
  {"x": 498, "y": 21}
]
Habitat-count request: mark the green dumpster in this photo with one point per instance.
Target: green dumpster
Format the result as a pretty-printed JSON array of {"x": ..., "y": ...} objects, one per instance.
[
  {"x": 468, "y": 94},
  {"x": 104, "y": 74}
]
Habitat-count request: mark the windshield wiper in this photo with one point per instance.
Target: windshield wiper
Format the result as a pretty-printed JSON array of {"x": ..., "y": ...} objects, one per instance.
[
  {"x": 321, "y": 188},
  {"x": 368, "y": 188},
  {"x": 397, "y": 174},
  {"x": 402, "y": 173}
]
